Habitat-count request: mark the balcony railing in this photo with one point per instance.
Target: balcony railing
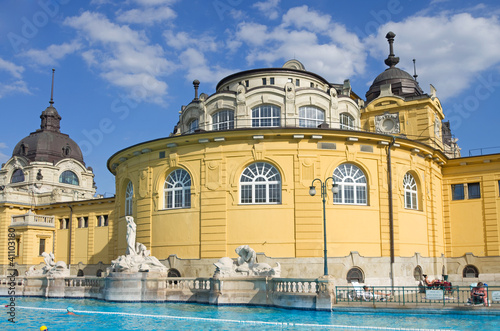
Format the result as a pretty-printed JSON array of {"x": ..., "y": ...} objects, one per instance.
[{"x": 32, "y": 219}]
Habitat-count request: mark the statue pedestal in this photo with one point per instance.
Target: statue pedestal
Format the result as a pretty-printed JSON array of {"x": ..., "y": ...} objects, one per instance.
[
  {"x": 135, "y": 286},
  {"x": 124, "y": 286}
]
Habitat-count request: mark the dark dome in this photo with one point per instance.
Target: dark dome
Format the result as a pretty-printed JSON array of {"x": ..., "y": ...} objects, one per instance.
[
  {"x": 402, "y": 83},
  {"x": 48, "y": 144}
]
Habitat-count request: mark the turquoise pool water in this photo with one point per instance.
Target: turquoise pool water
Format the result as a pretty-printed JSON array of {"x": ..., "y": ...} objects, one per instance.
[{"x": 31, "y": 313}]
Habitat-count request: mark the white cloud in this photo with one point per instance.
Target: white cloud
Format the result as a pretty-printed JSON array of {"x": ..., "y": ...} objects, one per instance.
[
  {"x": 3, "y": 145},
  {"x": 197, "y": 68},
  {"x": 126, "y": 57},
  {"x": 53, "y": 53},
  {"x": 18, "y": 86},
  {"x": 10, "y": 67},
  {"x": 451, "y": 51},
  {"x": 15, "y": 84},
  {"x": 269, "y": 8},
  {"x": 309, "y": 36},
  {"x": 183, "y": 40},
  {"x": 148, "y": 16}
]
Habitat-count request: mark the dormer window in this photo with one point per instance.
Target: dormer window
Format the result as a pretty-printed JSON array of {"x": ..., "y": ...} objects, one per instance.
[
  {"x": 17, "y": 176},
  {"x": 193, "y": 125},
  {"x": 69, "y": 177},
  {"x": 66, "y": 150}
]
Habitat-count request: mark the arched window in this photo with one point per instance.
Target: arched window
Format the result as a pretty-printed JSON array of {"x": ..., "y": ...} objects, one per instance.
[
  {"x": 355, "y": 275},
  {"x": 129, "y": 193},
  {"x": 173, "y": 273},
  {"x": 80, "y": 273},
  {"x": 69, "y": 177},
  {"x": 352, "y": 185},
  {"x": 265, "y": 116},
  {"x": 99, "y": 273},
  {"x": 470, "y": 271},
  {"x": 346, "y": 121},
  {"x": 260, "y": 183},
  {"x": 177, "y": 190},
  {"x": 310, "y": 117},
  {"x": 410, "y": 186},
  {"x": 193, "y": 125},
  {"x": 223, "y": 120},
  {"x": 17, "y": 176}
]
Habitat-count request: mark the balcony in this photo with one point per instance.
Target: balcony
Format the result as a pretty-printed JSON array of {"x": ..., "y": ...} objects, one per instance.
[{"x": 31, "y": 219}]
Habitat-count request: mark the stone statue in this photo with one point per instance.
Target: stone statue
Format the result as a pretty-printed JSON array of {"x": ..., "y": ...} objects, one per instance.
[
  {"x": 137, "y": 257},
  {"x": 51, "y": 268},
  {"x": 245, "y": 265},
  {"x": 131, "y": 234}
]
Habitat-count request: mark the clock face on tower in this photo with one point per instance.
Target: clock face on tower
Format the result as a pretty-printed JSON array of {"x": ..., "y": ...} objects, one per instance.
[{"x": 387, "y": 123}]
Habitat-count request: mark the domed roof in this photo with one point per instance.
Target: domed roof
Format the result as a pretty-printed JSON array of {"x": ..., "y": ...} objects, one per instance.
[
  {"x": 402, "y": 83},
  {"x": 48, "y": 144}
]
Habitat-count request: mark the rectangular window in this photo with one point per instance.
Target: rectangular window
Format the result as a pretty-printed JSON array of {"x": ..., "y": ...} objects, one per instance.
[
  {"x": 247, "y": 83},
  {"x": 312, "y": 84},
  {"x": 83, "y": 222},
  {"x": 162, "y": 155},
  {"x": 102, "y": 220},
  {"x": 474, "y": 190},
  {"x": 271, "y": 80},
  {"x": 18, "y": 246},
  {"x": 62, "y": 223},
  {"x": 42, "y": 247},
  {"x": 297, "y": 82},
  {"x": 246, "y": 194},
  {"x": 499, "y": 188},
  {"x": 264, "y": 81},
  {"x": 457, "y": 192}
]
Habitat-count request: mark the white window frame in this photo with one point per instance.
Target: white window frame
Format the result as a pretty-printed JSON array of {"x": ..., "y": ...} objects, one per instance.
[
  {"x": 352, "y": 183},
  {"x": 178, "y": 187},
  {"x": 311, "y": 117},
  {"x": 266, "y": 116},
  {"x": 193, "y": 125},
  {"x": 129, "y": 194},
  {"x": 263, "y": 181},
  {"x": 347, "y": 121},
  {"x": 223, "y": 120},
  {"x": 410, "y": 191}
]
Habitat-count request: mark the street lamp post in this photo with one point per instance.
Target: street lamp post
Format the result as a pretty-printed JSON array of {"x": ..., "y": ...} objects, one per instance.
[{"x": 312, "y": 192}]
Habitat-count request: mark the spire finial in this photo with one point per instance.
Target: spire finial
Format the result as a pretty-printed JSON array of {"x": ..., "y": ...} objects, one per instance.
[
  {"x": 414, "y": 70},
  {"x": 52, "y": 89},
  {"x": 392, "y": 60}
]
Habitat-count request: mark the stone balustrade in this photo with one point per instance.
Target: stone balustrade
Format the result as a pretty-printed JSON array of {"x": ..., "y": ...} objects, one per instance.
[
  {"x": 287, "y": 285},
  {"x": 32, "y": 219},
  {"x": 188, "y": 284}
]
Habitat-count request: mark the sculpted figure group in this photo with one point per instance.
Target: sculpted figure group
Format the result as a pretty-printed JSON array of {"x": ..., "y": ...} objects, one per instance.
[
  {"x": 245, "y": 265},
  {"x": 137, "y": 257}
]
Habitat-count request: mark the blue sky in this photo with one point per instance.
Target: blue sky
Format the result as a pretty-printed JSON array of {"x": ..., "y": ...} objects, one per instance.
[{"x": 125, "y": 68}]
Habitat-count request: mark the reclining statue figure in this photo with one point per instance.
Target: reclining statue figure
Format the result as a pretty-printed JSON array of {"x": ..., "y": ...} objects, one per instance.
[{"x": 245, "y": 265}]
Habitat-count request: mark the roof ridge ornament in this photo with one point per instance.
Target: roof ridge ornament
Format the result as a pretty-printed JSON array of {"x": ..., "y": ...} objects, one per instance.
[{"x": 392, "y": 60}]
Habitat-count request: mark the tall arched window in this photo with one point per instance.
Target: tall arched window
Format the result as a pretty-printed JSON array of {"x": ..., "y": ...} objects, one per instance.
[
  {"x": 177, "y": 190},
  {"x": 68, "y": 177},
  {"x": 310, "y": 117},
  {"x": 17, "y": 176},
  {"x": 410, "y": 186},
  {"x": 346, "y": 121},
  {"x": 265, "y": 115},
  {"x": 260, "y": 183},
  {"x": 193, "y": 125},
  {"x": 352, "y": 185},
  {"x": 129, "y": 193},
  {"x": 223, "y": 120}
]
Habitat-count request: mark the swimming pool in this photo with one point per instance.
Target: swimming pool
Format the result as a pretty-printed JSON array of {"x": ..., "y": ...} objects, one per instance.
[{"x": 31, "y": 313}]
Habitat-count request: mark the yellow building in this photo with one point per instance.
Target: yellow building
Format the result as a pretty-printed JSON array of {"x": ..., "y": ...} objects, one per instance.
[{"x": 238, "y": 170}]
